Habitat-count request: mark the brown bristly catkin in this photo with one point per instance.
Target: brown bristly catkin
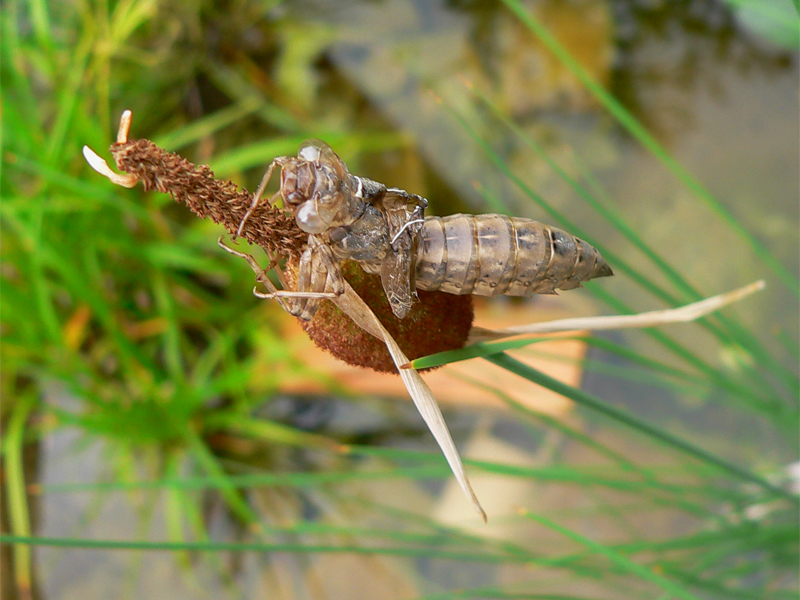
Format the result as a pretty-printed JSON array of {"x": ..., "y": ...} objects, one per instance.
[{"x": 220, "y": 200}]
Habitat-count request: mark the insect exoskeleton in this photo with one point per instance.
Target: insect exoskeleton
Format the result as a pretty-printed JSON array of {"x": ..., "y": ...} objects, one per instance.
[
  {"x": 384, "y": 231},
  {"x": 491, "y": 254}
]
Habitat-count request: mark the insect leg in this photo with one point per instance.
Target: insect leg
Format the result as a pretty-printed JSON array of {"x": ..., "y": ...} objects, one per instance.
[
  {"x": 288, "y": 294},
  {"x": 403, "y": 228},
  {"x": 334, "y": 273},
  {"x": 305, "y": 308},
  {"x": 318, "y": 277},
  {"x": 288, "y": 299},
  {"x": 304, "y": 302},
  {"x": 257, "y": 196},
  {"x": 261, "y": 274}
]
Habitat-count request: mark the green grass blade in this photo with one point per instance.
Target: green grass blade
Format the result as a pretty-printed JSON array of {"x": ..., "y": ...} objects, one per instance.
[
  {"x": 14, "y": 494},
  {"x": 173, "y": 356},
  {"x": 299, "y": 548},
  {"x": 210, "y": 464},
  {"x": 619, "y": 559},
  {"x": 625, "y": 418},
  {"x": 269, "y": 431}
]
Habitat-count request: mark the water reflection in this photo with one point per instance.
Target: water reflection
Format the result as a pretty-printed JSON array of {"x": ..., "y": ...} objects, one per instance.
[
  {"x": 669, "y": 51},
  {"x": 724, "y": 102}
]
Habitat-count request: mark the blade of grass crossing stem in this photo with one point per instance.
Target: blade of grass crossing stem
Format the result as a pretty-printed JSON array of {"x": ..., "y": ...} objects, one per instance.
[
  {"x": 639, "y": 132},
  {"x": 298, "y": 479},
  {"x": 618, "y": 559},
  {"x": 664, "y": 376},
  {"x": 264, "y": 547},
  {"x": 586, "y": 477},
  {"x": 269, "y": 431},
  {"x": 484, "y": 349},
  {"x": 625, "y": 418}
]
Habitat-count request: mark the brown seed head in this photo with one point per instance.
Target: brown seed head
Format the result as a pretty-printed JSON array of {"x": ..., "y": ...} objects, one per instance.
[{"x": 220, "y": 200}]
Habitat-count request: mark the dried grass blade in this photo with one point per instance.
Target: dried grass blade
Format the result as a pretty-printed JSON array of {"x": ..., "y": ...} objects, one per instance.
[
  {"x": 352, "y": 305},
  {"x": 682, "y": 314}
]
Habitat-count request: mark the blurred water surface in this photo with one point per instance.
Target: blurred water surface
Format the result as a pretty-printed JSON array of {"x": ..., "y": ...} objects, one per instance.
[{"x": 722, "y": 99}]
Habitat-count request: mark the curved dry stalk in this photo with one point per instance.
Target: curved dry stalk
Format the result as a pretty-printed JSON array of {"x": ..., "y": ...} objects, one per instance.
[
  {"x": 352, "y": 305},
  {"x": 101, "y": 166},
  {"x": 682, "y": 314}
]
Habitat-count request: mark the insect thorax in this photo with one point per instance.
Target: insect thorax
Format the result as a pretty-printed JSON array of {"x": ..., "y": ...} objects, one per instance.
[{"x": 366, "y": 240}]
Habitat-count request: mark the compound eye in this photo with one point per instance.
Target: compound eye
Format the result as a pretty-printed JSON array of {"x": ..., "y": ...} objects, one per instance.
[
  {"x": 309, "y": 153},
  {"x": 308, "y": 219},
  {"x": 292, "y": 199}
]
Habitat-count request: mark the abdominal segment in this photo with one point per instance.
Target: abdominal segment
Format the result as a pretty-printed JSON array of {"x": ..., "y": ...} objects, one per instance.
[{"x": 493, "y": 254}]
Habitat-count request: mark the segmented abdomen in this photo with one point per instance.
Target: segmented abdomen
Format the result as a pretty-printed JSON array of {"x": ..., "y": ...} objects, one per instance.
[{"x": 491, "y": 255}]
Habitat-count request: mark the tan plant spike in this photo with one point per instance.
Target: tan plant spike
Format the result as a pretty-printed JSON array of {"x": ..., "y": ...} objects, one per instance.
[{"x": 221, "y": 201}]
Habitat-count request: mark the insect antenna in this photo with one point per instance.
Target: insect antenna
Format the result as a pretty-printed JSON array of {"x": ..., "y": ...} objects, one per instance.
[{"x": 257, "y": 196}]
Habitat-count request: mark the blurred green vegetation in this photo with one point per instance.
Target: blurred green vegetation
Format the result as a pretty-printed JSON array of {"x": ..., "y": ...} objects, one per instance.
[{"x": 121, "y": 303}]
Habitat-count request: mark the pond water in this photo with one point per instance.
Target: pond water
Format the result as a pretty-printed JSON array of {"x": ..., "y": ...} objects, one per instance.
[{"x": 721, "y": 98}]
